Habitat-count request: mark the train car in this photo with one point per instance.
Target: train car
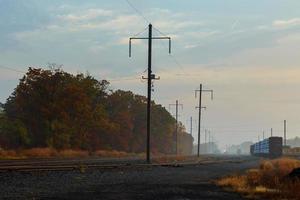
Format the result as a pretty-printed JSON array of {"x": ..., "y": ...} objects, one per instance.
[{"x": 270, "y": 147}]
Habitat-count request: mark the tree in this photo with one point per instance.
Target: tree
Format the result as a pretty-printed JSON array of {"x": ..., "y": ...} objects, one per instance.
[
  {"x": 57, "y": 108},
  {"x": 52, "y": 108}
]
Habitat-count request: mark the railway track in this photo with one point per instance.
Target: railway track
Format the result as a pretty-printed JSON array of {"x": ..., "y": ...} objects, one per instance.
[
  {"x": 63, "y": 164},
  {"x": 101, "y": 164}
]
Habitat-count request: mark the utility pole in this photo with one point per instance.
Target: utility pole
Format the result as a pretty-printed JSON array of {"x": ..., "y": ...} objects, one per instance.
[
  {"x": 176, "y": 126},
  {"x": 210, "y": 143},
  {"x": 284, "y": 128},
  {"x": 271, "y": 132},
  {"x": 208, "y": 151},
  {"x": 205, "y": 140},
  {"x": 149, "y": 78},
  {"x": 263, "y": 135},
  {"x": 199, "y": 134},
  {"x": 200, "y": 111},
  {"x": 191, "y": 130}
]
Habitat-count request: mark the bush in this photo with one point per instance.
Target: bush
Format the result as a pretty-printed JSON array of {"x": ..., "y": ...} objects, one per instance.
[{"x": 268, "y": 181}]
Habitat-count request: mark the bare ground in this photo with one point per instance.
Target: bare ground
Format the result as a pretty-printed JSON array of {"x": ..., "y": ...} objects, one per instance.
[{"x": 141, "y": 183}]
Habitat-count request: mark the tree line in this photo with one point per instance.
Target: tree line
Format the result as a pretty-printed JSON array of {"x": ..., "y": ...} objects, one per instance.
[{"x": 53, "y": 108}]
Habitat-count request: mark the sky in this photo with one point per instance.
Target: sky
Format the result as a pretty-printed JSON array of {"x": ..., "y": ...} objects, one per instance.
[{"x": 246, "y": 51}]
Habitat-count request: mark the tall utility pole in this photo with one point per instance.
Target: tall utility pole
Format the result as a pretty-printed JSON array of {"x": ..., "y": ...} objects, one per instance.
[
  {"x": 176, "y": 126},
  {"x": 200, "y": 111},
  {"x": 284, "y": 129},
  {"x": 199, "y": 135},
  {"x": 263, "y": 135},
  {"x": 149, "y": 78}
]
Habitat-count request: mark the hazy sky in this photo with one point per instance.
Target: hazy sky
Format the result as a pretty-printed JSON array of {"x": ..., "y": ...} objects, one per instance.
[{"x": 247, "y": 51}]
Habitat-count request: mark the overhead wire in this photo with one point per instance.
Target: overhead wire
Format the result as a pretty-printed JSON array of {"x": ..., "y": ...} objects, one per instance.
[
  {"x": 137, "y": 11},
  {"x": 141, "y": 32},
  {"x": 160, "y": 32},
  {"x": 110, "y": 80},
  {"x": 12, "y": 69},
  {"x": 171, "y": 57},
  {"x": 122, "y": 79}
]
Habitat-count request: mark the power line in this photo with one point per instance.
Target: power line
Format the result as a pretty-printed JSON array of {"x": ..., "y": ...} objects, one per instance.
[
  {"x": 12, "y": 69},
  {"x": 160, "y": 32},
  {"x": 141, "y": 32},
  {"x": 137, "y": 11},
  {"x": 123, "y": 79},
  {"x": 171, "y": 57},
  {"x": 110, "y": 80}
]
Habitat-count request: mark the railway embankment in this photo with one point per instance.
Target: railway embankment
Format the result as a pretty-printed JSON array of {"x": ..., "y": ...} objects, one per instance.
[{"x": 158, "y": 181}]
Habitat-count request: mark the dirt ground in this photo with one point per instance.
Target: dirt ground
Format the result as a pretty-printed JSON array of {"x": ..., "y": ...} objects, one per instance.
[{"x": 141, "y": 183}]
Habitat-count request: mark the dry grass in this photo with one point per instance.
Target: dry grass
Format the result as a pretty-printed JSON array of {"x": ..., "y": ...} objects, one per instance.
[
  {"x": 237, "y": 183},
  {"x": 38, "y": 153},
  {"x": 268, "y": 181},
  {"x": 70, "y": 153},
  {"x": 8, "y": 154},
  {"x": 53, "y": 153},
  {"x": 111, "y": 154}
]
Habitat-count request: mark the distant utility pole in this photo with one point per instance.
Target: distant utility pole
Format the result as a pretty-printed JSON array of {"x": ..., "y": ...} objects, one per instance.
[
  {"x": 210, "y": 142},
  {"x": 176, "y": 127},
  {"x": 149, "y": 78},
  {"x": 284, "y": 129},
  {"x": 263, "y": 135},
  {"x": 205, "y": 140},
  {"x": 191, "y": 128},
  {"x": 200, "y": 111},
  {"x": 271, "y": 132},
  {"x": 208, "y": 151}
]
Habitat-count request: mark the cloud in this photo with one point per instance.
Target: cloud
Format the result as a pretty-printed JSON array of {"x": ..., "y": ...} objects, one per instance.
[
  {"x": 89, "y": 14},
  {"x": 174, "y": 25},
  {"x": 121, "y": 23},
  {"x": 286, "y": 23}
]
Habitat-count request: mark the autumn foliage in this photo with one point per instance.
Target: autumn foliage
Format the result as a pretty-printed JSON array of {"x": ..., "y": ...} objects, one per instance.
[
  {"x": 58, "y": 110},
  {"x": 269, "y": 181}
]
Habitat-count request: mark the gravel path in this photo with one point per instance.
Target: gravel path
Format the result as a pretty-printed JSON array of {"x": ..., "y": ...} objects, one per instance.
[{"x": 176, "y": 183}]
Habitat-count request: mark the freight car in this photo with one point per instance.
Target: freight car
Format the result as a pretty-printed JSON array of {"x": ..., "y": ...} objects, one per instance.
[{"x": 270, "y": 147}]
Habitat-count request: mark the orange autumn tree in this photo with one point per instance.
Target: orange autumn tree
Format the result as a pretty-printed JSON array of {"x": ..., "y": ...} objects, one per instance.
[{"x": 52, "y": 108}]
